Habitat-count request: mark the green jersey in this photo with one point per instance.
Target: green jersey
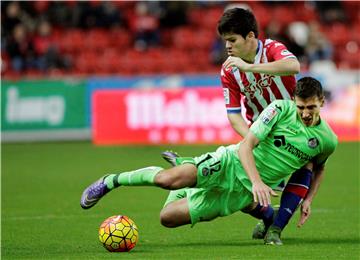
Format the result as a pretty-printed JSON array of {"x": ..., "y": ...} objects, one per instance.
[{"x": 286, "y": 144}]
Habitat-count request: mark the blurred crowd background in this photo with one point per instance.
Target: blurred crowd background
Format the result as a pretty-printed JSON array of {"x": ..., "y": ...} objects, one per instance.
[{"x": 53, "y": 38}]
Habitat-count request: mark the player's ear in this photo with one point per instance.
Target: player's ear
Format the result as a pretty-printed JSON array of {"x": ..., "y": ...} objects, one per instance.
[
  {"x": 322, "y": 101},
  {"x": 250, "y": 35}
]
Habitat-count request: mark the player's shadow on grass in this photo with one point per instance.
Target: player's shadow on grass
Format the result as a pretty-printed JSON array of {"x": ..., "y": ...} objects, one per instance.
[
  {"x": 223, "y": 243},
  {"x": 256, "y": 243},
  {"x": 331, "y": 240}
]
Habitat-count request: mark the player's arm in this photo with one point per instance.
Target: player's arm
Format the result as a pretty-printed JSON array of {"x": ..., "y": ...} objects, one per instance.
[
  {"x": 314, "y": 187},
  {"x": 238, "y": 123},
  {"x": 261, "y": 192},
  {"x": 281, "y": 62},
  {"x": 284, "y": 67},
  {"x": 318, "y": 174},
  {"x": 232, "y": 98}
]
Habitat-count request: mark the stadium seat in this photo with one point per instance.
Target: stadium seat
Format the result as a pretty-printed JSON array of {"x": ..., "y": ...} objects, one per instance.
[
  {"x": 97, "y": 40},
  {"x": 71, "y": 41},
  {"x": 283, "y": 15},
  {"x": 120, "y": 38},
  {"x": 87, "y": 62},
  {"x": 263, "y": 16},
  {"x": 109, "y": 62},
  {"x": 183, "y": 38},
  {"x": 338, "y": 34}
]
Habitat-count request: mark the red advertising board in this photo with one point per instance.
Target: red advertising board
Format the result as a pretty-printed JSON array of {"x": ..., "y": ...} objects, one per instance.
[
  {"x": 161, "y": 116},
  {"x": 191, "y": 116}
]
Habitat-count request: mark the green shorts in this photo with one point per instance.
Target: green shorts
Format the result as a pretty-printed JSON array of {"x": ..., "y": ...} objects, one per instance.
[{"x": 218, "y": 191}]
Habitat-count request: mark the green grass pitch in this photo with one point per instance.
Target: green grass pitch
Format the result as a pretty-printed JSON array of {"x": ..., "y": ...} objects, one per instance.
[{"x": 41, "y": 217}]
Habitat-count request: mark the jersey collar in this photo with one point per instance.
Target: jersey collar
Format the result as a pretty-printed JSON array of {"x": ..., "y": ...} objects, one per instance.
[{"x": 259, "y": 51}]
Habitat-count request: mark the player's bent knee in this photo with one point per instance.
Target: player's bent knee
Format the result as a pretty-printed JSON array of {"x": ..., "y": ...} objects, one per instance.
[
  {"x": 176, "y": 178},
  {"x": 250, "y": 207},
  {"x": 167, "y": 219},
  {"x": 164, "y": 179}
]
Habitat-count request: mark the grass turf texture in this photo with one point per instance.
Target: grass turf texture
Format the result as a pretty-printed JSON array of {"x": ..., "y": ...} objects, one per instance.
[{"x": 42, "y": 218}]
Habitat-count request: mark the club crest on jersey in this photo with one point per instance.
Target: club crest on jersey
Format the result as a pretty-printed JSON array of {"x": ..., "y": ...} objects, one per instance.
[
  {"x": 313, "y": 142},
  {"x": 269, "y": 114},
  {"x": 285, "y": 53}
]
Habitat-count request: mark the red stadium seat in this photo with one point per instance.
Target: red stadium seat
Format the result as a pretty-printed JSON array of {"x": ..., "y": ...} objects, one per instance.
[
  {"x": 183, "y": 38},
  {"x": 338, "y": 34},
  {"x": 304, "y": 11},
  {"x": 120, "y": 38},
  {"x": 87, "y": 62},
  {"x": 347, "y": 59},
  {"x": 110, "y": 62},
  {"x": 283, "y": 15},
  {"x": 72, "y": 41},
  {"x": 97, "y": 40},
  {"x": 263, "y": 16}
]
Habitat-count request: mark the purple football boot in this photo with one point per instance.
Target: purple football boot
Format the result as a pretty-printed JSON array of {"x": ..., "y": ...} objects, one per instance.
[
  {"x": 94, "y": 193},
  {"x": 170, "y": 157}
]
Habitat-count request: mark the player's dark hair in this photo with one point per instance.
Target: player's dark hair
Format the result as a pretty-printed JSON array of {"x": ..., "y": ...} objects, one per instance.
[
  {"x": 238, "y": 21},
  {"x": 308, "y": 87}
]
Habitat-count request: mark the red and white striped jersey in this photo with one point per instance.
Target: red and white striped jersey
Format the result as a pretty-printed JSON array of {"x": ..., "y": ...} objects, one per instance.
[{"x": 256, "y": 89}]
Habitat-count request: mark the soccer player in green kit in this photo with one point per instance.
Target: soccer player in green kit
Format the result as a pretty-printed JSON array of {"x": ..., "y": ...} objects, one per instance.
[{"x": 288, "y": 135}]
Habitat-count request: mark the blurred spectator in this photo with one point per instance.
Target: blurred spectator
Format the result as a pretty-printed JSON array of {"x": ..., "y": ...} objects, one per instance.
[
  {"x": 64, "y": 14},
  {"x": 330, "y": 11},
  {"x": 317, "y": 47},
  {"x": 13, "y": 16},
  {"x": 145, "y": 27},
  {"x": 218, "y": 51},
  {"x": 284, "y": 35},
  {"x": 20, "y": 49},
  {"x": 173, "y": 13},
  {"x": 110, "y": 15},
  {"x": 102, "y": 14},
  {"x": 46, "y": 49},
  {"x": 298, "y": 34}
]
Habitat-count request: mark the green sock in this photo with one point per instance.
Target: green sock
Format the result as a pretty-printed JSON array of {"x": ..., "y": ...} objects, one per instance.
[{"x": 141, "y": 177}]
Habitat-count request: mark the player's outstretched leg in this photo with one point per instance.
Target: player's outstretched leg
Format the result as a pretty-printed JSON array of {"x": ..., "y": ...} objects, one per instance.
[
  {"x": 170, "y": 157},
  {"x": 178, "y": 177},
  {"x": 141, "y": 177}
]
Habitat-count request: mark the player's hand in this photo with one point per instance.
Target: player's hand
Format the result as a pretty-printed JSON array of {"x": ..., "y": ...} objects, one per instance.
[
  {"x": 236, "y": 62},
  {"x": 262, "y": 193},
  {"x": 305, "y": 213}
]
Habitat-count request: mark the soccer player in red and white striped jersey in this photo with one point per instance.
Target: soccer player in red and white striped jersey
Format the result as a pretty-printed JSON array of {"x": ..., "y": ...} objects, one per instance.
[{"x": 256, "y": 72}]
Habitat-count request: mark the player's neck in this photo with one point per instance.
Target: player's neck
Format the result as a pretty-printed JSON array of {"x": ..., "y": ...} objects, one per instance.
[{"x": 250, "y": 58}]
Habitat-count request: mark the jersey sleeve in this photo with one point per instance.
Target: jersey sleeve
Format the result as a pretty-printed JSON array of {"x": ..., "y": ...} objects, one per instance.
[
  {"x": 278, "y": 51},
  {"x": 231, "y": 90},
  {"x": 267, "y": 119},
  {"x": 329, "y": 148}
]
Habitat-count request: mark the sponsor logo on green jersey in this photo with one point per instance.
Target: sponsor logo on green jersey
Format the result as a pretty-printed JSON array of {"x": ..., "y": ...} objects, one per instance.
[{"x": 280, "y": 141}]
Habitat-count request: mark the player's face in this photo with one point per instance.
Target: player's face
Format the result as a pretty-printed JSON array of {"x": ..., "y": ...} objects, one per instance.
[
  {"x": 309, "y": 109},
  {"x": 237, "y": 46}
]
